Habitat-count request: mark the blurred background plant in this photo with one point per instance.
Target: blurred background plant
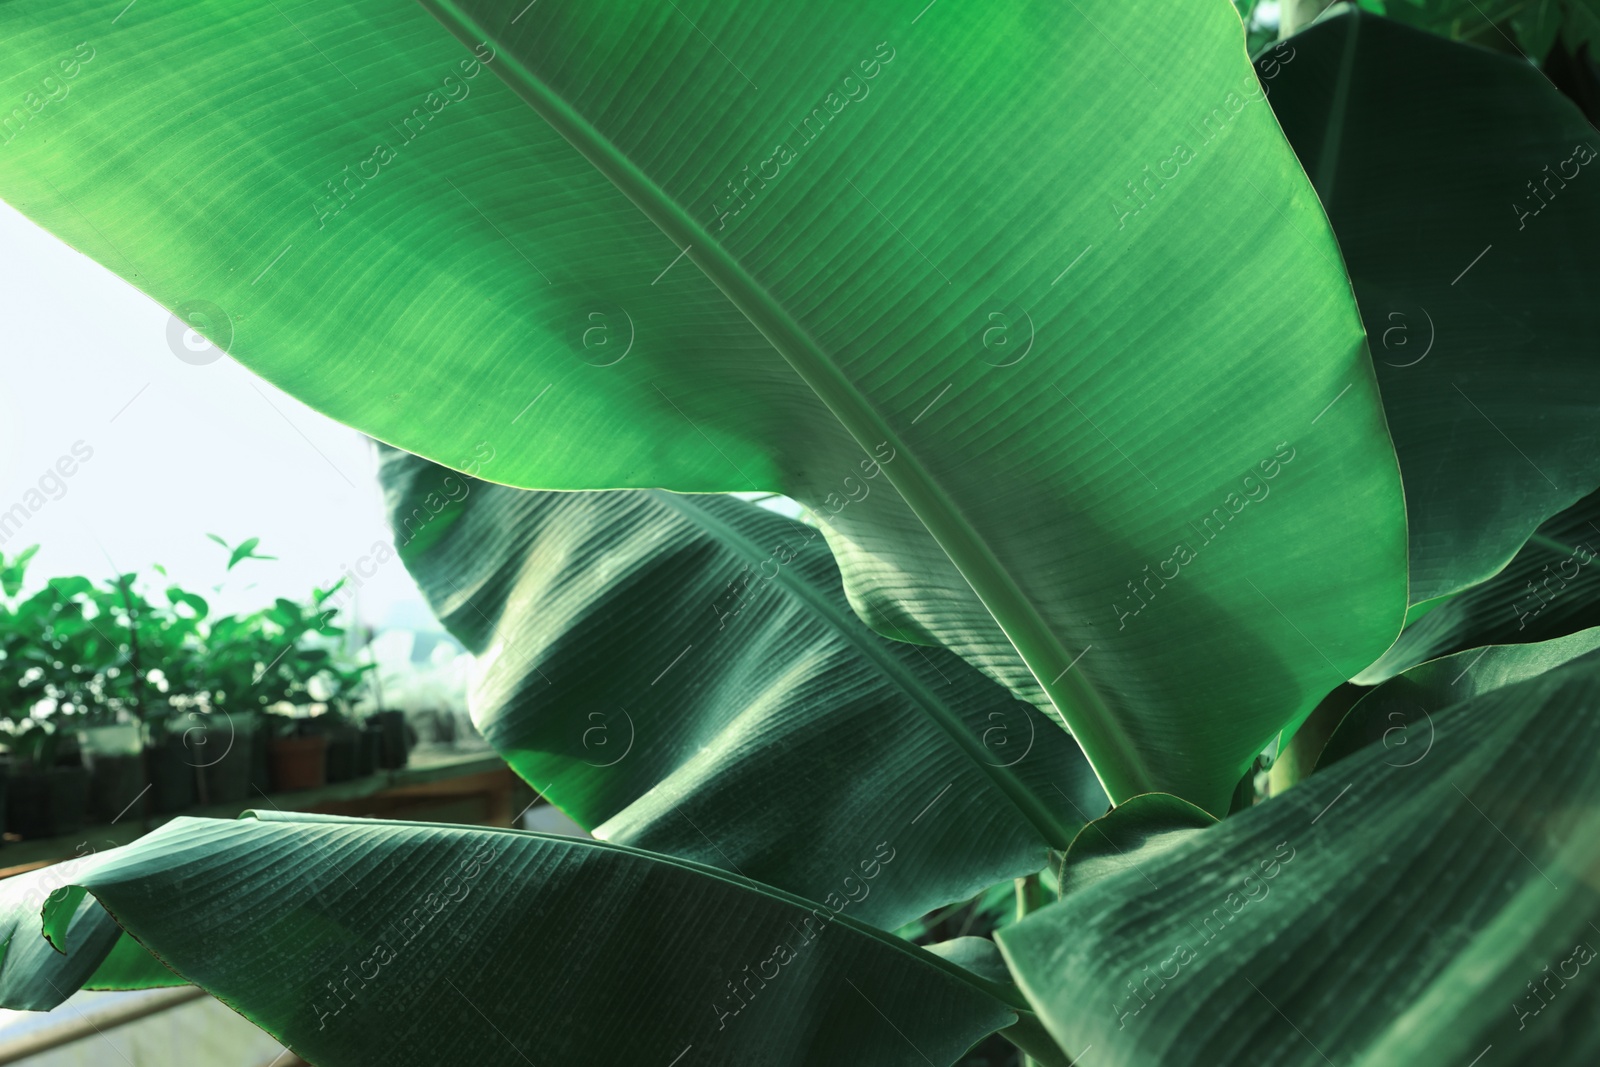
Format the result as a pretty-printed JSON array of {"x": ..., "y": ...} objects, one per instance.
[{"x": 76, "y": 655}]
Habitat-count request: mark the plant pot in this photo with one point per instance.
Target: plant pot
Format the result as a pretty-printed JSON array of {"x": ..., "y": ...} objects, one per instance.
[
  {"x": 117, "y": 787},
  {"x": 371, "y": 750},
  {"x": 261, "y": 759},
  {"x": 171, "y": 771},
  {"x": 47, "y": 803},
  {"x": 344, "y": 755},
  {"x": 224, "y": 763},
  {"x": 395, "y": 747},
  {"x": 299, "y": 762}
]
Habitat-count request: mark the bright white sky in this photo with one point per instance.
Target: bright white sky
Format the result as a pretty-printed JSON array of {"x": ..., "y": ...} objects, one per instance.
[{"x": 179, "y": 450}]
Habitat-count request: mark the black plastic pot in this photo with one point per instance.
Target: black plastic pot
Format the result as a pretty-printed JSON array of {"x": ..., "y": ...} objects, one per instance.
[
  {"x": 225, "y": 762},
  {"x": 395, "y": 747},
  {"x": 47, "y": 803},
  {"x": 172, "y": 772},
  {"x": 344, "y": 754},
  {"x": 261, "y": 759},
  {"x": 117, "y": 787},
  {"x": 371, "y": 749}
]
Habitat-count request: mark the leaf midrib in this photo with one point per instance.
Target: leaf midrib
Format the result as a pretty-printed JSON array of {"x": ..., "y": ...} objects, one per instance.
[
  {"x": 203, "y": 832},
  {"x": 1116, "y": 760},
  {"x": 870, "y": 646}
]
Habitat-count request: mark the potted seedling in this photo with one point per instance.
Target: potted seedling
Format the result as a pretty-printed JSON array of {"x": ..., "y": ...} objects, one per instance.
[
  {"x": 346, "y": 738},
  {"x": 171, "y": 643},
  {"x": 350, "y": 752},
  {"x": 299, "y": 754},
  {"x": 169, "y": 767},
  {"x": 393, "y": 734},
  {"x": 344, "y": 743},
  {"x": 21, "y": 685},
  {"x": 221, "y": 722},
  {"x": 61, "y": 657},
  {"x": 227, "y": 691},
  {"x": 110, "y": 721},
  {"x": 299, "y": 747}
]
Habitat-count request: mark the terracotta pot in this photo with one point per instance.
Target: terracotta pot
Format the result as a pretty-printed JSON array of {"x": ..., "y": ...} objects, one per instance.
[{"x": 299, "y": 762}]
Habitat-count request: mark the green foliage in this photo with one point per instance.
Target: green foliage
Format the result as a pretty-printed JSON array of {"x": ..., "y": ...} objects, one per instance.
[
  {"x": 1549, "y": 589},
  {"x": 244, "y": 550},
  {"x": 1086, "y": 369},
  {"x": 79, "y": 654},
  {"x": 1018, "y": 520},
  {"x": 1480, "y": 315},
  {"x": 418, "y": 924},
  {"x": 1456, "y": 866},
  {"x": 772, "y": 696}
]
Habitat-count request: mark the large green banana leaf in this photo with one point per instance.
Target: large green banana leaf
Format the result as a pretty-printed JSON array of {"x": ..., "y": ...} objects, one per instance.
[
  {"x": 362, "y": 941},
  {"x": 1459, "y": 183},
  {"x": 1399, "y": 713},
  {"x": 1389, "y": 910},
  {"x": 1054, "y": 269},
  {"x": 34, "y": 977},
  {"x": 1549, "y": 589},
  {"x": 129, "y": 966},
  {"x": 683, "y": 674},
  {"x": 1119, "y": 839}
]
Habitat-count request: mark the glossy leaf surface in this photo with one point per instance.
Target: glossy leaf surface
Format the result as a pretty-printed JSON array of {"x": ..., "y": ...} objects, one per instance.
[
  {"x": 356, "y": 941},
  {"x": 1399, "y": 714},
  {"x": 684, "y": 674},
  {"x": 1387, "y": 910},
  {"x": 1462, "y": 187},
  {"x": 1118, "y": 382},
  {"x": 1115, "y": 842},
  {"x": 1550, "y": 589}
]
